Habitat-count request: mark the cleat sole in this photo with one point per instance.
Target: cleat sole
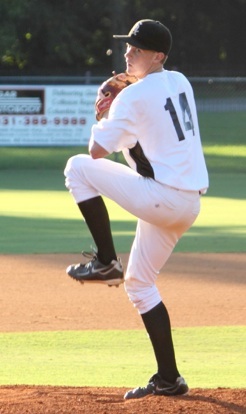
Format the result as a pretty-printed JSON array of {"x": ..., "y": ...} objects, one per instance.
[{"x": 110, "y": 283}]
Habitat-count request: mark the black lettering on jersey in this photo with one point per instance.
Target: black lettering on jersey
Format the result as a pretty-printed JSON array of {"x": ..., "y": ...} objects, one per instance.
[
  {"x": 170, "y": 107},
  {"x": 185, "y": 108},
  {"x": 143, "y": 165}
]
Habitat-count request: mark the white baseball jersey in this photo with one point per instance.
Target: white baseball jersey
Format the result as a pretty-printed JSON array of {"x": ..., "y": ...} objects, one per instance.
[{"x": 154, "y": 122}]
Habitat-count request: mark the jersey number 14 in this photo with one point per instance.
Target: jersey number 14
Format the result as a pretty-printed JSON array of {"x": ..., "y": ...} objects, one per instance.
[{"x": 186, "y": 112}]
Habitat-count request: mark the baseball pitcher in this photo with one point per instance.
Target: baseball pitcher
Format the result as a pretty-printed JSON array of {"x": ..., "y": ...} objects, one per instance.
[{"x": 152, "y": 119}]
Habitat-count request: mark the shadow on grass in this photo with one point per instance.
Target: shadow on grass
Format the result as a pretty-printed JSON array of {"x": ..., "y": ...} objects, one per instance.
[
  {"x": 227, "y": 185},
  {"x": 38, "y": 235}
]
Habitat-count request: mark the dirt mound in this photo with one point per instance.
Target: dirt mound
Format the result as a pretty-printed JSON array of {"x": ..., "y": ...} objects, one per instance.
[{"x": 66, "y": 400}]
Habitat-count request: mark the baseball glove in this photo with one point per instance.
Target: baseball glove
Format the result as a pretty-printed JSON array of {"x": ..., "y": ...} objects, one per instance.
[{"x": 109, "y": 90}]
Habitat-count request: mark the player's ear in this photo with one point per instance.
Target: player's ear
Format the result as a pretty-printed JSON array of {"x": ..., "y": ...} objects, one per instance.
[
  {"x": 164, "y": 58},
  {"x": 161, "y": 57}
]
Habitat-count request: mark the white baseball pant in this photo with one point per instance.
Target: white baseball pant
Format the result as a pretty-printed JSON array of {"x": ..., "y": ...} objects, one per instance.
[{"x": 164, "y": 214}]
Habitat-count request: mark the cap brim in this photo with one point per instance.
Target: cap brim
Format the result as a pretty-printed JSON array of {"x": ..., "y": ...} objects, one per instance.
[{"x": 131, "y": 41}]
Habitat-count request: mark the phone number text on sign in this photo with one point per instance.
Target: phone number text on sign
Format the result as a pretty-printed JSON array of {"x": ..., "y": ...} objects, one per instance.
[{"x": 41, "y": 121}]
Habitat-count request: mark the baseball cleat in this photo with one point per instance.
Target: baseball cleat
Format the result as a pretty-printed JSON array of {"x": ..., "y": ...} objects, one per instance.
[
  {"x": 157, "y": 386},
  {"x": 96, "y": 272}
]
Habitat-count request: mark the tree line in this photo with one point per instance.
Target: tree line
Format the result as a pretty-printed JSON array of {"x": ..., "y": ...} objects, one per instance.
[{"x": 71, "y": 37}]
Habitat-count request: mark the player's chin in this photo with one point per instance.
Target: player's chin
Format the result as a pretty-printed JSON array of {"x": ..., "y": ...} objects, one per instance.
[{"x": 130, "y": 70}]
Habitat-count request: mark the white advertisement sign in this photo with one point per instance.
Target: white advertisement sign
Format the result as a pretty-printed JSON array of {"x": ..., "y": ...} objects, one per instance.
[{"x": 46, "y": 115}]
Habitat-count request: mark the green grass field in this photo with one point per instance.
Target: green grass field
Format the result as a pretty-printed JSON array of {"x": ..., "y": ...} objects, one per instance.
[
  {"x": 37, "y": 215},
  {"x": 35, "y": 203},
  {"x": 121, "y": 358}
]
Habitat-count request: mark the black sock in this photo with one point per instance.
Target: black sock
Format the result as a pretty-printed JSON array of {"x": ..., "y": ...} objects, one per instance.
[
  {"x": 157, "y": 324},
  {"x": 96, "y": 217}
]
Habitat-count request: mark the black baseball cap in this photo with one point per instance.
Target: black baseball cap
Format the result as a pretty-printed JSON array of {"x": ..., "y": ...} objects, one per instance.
[{"x": 149, "y": 35}]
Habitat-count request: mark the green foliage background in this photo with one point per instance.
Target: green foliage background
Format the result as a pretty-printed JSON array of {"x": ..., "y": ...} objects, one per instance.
[{"x": 70, "y": 37}]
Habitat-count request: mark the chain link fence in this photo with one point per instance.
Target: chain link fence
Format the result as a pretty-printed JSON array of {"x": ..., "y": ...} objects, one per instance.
[
  {"x": 212, "y": 94},
  {"x": 220, "y": 94}
]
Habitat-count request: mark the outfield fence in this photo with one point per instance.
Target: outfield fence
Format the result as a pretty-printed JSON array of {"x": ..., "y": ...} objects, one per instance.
[
  {"x": 213, "y": 94},
  {"x": 220, "y": 94},
  {"x": 59, "y": 111}
]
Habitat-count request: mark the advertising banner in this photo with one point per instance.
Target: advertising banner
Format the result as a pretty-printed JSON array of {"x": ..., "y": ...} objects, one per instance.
[{"x": 46, "y": 115}]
